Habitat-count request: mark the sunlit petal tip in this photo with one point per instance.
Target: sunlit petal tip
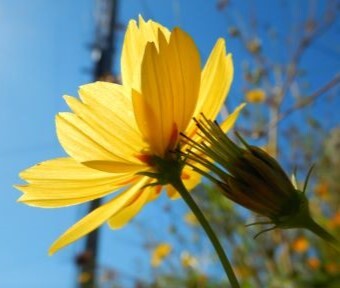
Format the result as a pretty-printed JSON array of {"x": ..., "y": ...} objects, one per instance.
[
  {"x": 18, "y": 186},
  {"x": 97, "y": 217},
  {"x": 221, "y": 41},
  {"x": 221, "y": 47},
  {"x": 131, "y": 23},
  {"x": 59, "y": 116},
  {"x": 229, "y": 122},
  {"x": 141, "y": 19},
  {"x": 25, "y": 198},
  {"x": 229, "y": 60},
  {"x": 230, "y": 65},
  {"x": 21, "y": 189},
  {"x": 21, "y": 199},
  {"x": 183, "y": 38},
  {"x": 70, "y": 101},
  {"x": 53, "y": 249},
  {"x": 145, "y": 25},
  {"x": 81, "y": 228},
  {"x": 85, "y": 87},
  {"x": 242, "y": 105},
  {"x": 24, "y": 175},
  {"x": 68, "y": 98},
  {"x": 21, "y": 176}
]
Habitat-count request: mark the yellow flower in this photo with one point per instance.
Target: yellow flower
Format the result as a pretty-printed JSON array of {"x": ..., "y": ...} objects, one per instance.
[
  {"x": 300, "y": 245},
  {"x": 332, "y": 268},
  {"x": 160, "y": 253},
  {"x": 322, "y": 189},
  {"x": 313, "y": 263},
  {"x": 188, "y": 260},
  {"x": 334, "y": 222},
  {"x": 254, "y": 46},
  {"x": 115, "y": 131},
  {"x": 84, "y": 277},
  {"x": 244, "y": 271},
  {"x": 255, "y": 96},
  {"x": 191, "y": 219}
]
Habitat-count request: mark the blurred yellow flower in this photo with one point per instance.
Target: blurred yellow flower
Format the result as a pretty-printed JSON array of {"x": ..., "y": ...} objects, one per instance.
[
  {"x": 191, "y": 219},
  {"x": 114, "y": 132},
  {"x": 254, "y": 46},
  {"x": 160, "y": 252},
  {"x": 202, "y": 280},
  {"x": 334, "y": 222},
  {"x": 300, "y": 244},
  {"x": 84, "y": 277},
  {"x": 322, "y": 189},
  {"x": 188, "y": 260},
  {"x": 255, "y": 96},
  {"x": 313, "y": 263},
  {"x": 332, "y": 268},
  {"x": 243, "y": 272}
]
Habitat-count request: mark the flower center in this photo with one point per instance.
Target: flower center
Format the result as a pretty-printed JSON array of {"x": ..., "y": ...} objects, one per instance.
[{"x": 166, "y": 168}]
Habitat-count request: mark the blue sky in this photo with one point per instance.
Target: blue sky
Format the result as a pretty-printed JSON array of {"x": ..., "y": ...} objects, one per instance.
[{"x": 43, "y": 56}]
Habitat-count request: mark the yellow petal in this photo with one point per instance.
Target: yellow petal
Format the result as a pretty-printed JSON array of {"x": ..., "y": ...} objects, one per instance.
[
  {"x": 119, "y": 143},
  {"x": 170, "y": 85},
  {"x": 216, "y": 79},
  {"x": 97, "y": 217},
  {"x": 81, "y": 141},
  {"x": 64, "y": 182},
  {"x": 114, "y": 104},
  {"x": 121, "y": 218},
  {"x": 116, "y": 167},
  {"x": 104, "y": 127},
  {"x": 134, "y": 45},
  {"x": 54, "y": 170},
  {"x": 229, "y": 122}
]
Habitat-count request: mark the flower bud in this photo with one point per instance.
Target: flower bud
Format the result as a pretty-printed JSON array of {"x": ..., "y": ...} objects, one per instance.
[{"x": 252, "y": 178}]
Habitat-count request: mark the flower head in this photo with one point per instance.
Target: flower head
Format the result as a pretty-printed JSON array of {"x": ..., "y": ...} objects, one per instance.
[
  {"x": 118, "y": 135},
  {"x": 252, "y": 178},
  {"x": 248, "y": 176}
]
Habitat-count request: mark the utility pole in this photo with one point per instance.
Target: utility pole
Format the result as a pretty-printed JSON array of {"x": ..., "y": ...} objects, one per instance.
[{"x": 103, "y": 52}]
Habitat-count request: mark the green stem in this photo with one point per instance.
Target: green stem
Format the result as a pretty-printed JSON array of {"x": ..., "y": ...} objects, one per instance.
[
  {"x": 178, "y": 185},
  {"x": 322, "y": 233}
]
